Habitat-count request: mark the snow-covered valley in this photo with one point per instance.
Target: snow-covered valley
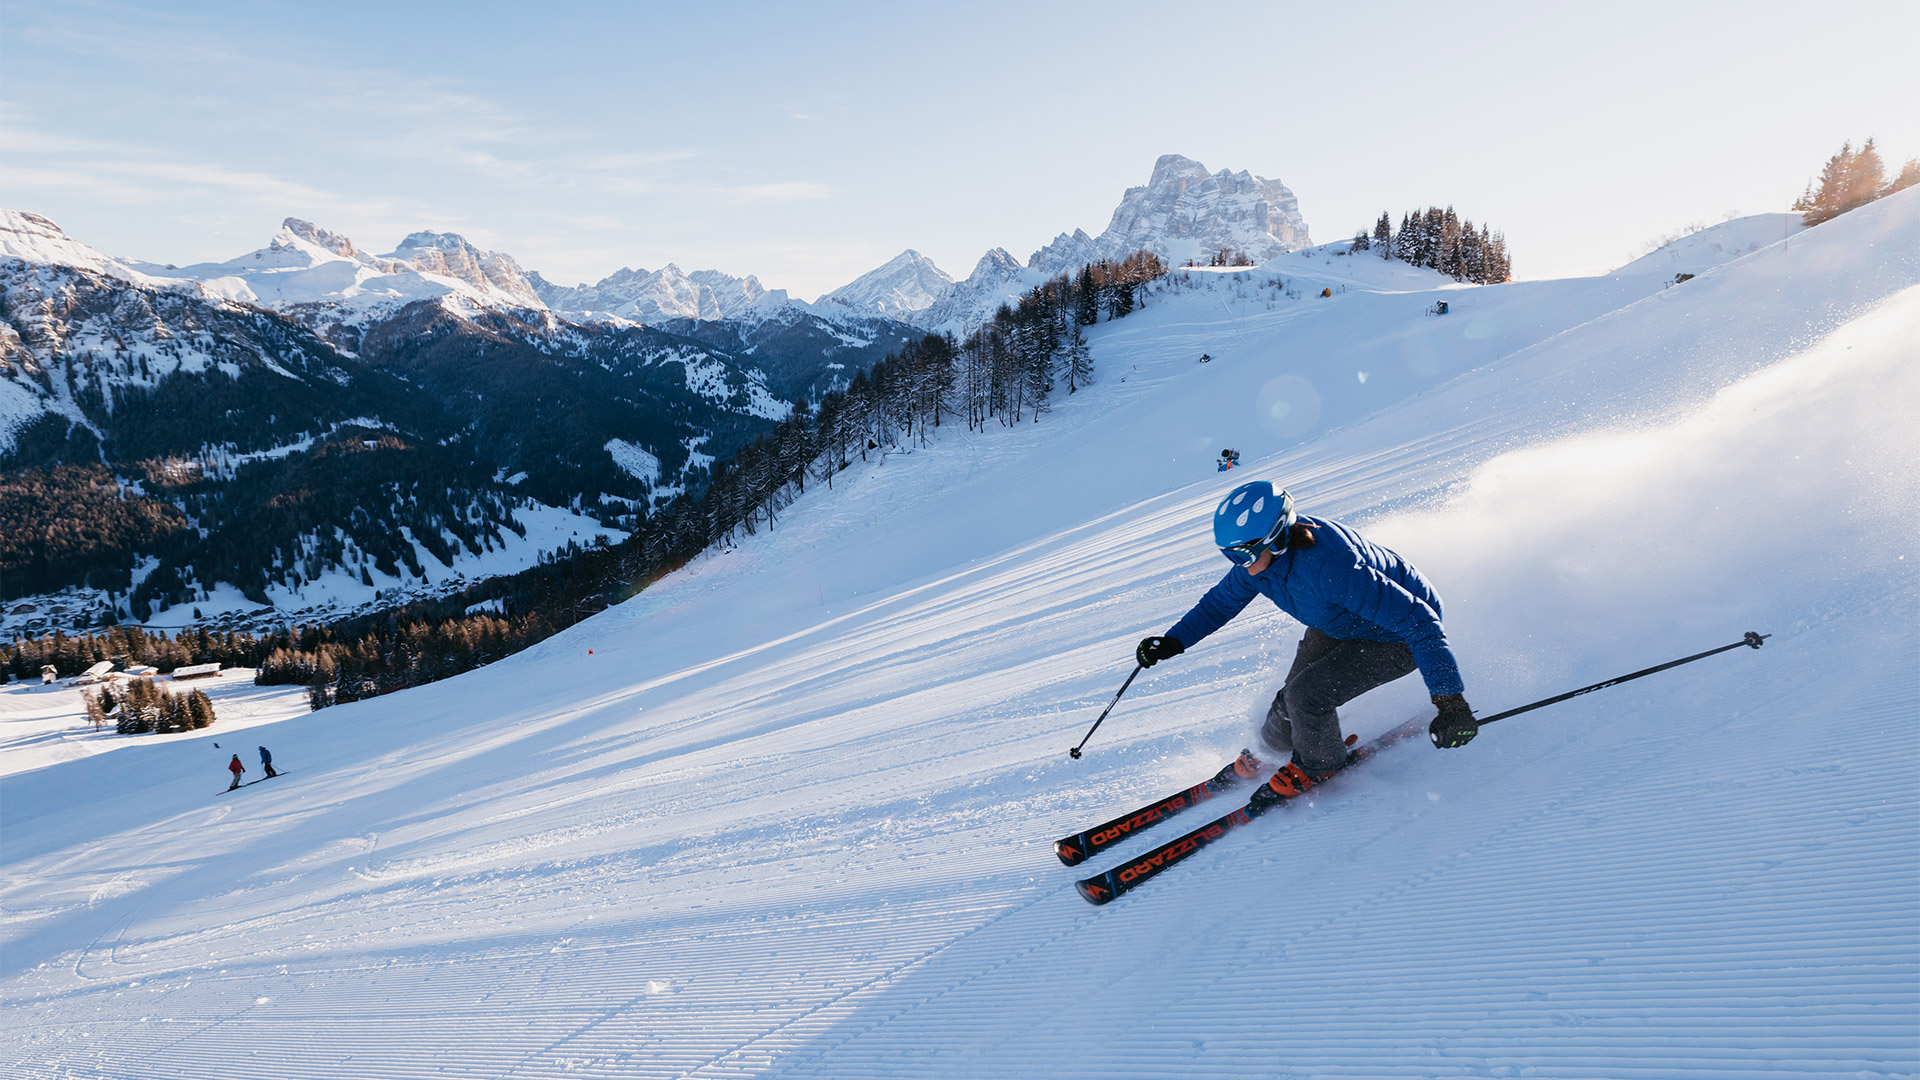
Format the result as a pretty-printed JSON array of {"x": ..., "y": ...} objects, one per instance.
[{"x": 789, "y": 812}]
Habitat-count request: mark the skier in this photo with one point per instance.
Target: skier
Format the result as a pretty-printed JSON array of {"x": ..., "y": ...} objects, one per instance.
[
  {"x": 236, "y": 769},
  {"x": 1228, "y": 459},
  {"x": 1371, "y": 618},
  {"x": 266, "y": 762}
]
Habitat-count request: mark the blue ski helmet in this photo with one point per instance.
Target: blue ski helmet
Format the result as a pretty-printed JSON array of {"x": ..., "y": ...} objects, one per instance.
[{"x": 1251, "y": 517}]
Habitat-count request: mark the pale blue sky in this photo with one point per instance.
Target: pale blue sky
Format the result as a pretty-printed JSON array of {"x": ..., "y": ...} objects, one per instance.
[{"x": 809, "y": 143}]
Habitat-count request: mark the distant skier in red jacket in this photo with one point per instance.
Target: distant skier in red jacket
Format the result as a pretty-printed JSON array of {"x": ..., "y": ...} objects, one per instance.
[{"x": 236, "y": 769}]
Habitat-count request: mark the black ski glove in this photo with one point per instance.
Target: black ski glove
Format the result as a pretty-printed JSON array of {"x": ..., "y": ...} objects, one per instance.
[
  {"x": 1455, "y": 725},
  {"x": 1155, "y": 649}
]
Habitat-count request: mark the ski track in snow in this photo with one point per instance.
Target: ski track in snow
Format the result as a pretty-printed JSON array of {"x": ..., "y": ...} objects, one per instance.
[{"x": 794, "y": 816}]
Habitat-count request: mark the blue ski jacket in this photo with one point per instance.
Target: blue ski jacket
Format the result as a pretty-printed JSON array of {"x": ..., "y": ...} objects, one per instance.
[{"x": 1346, "y": 587}]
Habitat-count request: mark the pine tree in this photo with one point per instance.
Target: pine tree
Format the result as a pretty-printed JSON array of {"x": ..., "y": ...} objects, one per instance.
[
  {"x": 1447, "y": 254},
  {"x": 1473, "y": 255},
  {"x": 1864, "y": 180},
  {"x": 173, "y": 714},
  {"x": 1909, "y": 176},
  {"x": 1079, "y": 361},
  {"x": 1851, "y": 179},
  {"x": 199, "y": 709},
  {"x": 1086, "y": 298}
]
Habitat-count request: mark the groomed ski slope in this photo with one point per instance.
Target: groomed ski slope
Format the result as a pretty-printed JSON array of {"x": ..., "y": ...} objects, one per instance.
[{"x": 792, "y": 816}]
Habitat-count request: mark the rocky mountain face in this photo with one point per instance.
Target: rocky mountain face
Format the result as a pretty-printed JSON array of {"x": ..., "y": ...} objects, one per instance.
[
  {"x": 449, "y": 255},
  {"x": 1184, "y": 212}
]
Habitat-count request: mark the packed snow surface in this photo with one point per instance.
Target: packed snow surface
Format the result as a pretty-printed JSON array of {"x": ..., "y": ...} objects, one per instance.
[{"x": 789, "y": 812}]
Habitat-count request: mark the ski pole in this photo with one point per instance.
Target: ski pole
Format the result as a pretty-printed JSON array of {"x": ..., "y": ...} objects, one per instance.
[
  {"x": 1137, "y": 669},
  {"x": 1752, "y": 640}
]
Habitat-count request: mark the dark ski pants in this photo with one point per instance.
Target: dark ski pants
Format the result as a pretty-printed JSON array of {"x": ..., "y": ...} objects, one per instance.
[{"x": 1326, "y": 674}]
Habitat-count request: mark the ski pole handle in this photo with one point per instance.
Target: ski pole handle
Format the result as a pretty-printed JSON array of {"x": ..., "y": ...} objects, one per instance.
[{"x": 1075, "y": 752}]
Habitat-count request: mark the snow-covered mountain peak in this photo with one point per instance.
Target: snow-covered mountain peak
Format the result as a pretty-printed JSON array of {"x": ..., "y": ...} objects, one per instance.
[
  {"x": 997, "y": 264},
  {"x": 659, "y": 295},
  {"x": 907, "y": 283},
  {"x": 317, "y": 236},
  {"x": 26, "y": 234},
  {"x": 714, "y": 279},
  {"x": 35, "y": 239},
  {"x": 427, "y": 240},
  {"x": 1075, "y": 248},
  {"x": 998, "y": 278}
]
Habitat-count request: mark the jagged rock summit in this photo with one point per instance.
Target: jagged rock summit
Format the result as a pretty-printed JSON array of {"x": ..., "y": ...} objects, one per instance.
[
  {"x": 449, "y": 255},
  {"x": 1184, "y": 213}
]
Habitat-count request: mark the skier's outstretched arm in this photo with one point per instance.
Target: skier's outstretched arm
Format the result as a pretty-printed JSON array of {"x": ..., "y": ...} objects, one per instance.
[{"x": 1228, "y": 597}]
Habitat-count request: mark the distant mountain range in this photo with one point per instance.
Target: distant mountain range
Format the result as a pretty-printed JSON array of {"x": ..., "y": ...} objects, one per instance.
[
  {"x": 1182, "y": 213},
  {"x": 218, "y": 395},
  {"x": 310, "y": 431}
]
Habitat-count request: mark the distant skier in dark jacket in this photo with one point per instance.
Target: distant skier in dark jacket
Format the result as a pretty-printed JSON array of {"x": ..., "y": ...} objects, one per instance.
[
  {"x": 1371, "y": 618},
  {"x": 236, "y": 769},
  {"x": 266, "y": 762}
]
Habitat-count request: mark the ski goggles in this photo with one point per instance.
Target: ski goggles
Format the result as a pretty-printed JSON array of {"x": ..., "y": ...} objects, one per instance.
[
  {"x": 1248, "y": 553},
  {"x": 1245, "y": 554}
]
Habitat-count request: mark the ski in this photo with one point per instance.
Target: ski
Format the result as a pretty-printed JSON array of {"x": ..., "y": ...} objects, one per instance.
[
  {"x": 250, "y": 783},
  {"x": 1287, "y": 784},
  {"x": 1076, "y": 849}
]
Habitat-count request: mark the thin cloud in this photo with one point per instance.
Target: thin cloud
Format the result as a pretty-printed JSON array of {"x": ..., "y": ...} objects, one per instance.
[
  {"x": 790, "y": 191},
  {"x": 112, "y": 168}
]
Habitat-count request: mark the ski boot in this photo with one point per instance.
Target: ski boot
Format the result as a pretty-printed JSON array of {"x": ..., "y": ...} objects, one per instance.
[{"x": 1291, "y": 781}]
